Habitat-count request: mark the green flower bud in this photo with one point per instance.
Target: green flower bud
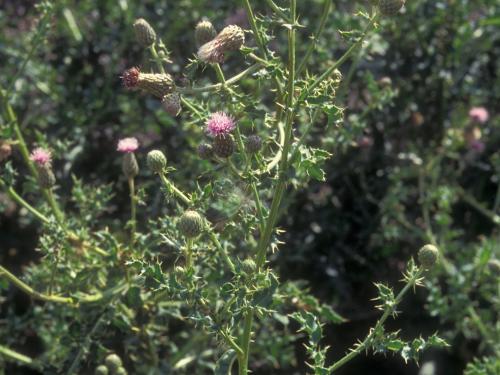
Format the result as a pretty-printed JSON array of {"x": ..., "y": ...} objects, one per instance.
[
  {"x": 253, "y": 144},
  {"x": 156, "y": 161},
  {"x": 144, "y": 33},
  {"x": 223, "y": 146},
  {"x": 113, "y": 362},
  {"x": 129, "y": 165},
  {"x": 190, "y": 224},
  {"x": 248, "y": 266},
  {"x": 121, "y": 371},
  {"x": 172, "y": 103},
  {"x": 205, "y": 151},
  {"x": 428, "y": 256},
  {"x": 101, "y": 370},
  {"x": 494, "y": 266},
  {"x": 390, "y": 7},
  {"x": 46, "y": 178},
  {"x": 204, "y": 32}
]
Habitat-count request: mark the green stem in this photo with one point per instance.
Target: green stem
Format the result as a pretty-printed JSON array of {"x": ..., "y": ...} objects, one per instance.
[
  {"x": 481, "y": 208},
  {"x": 218, "y": 86},
  {"x": 388, "y": 311},
  {"x": 17, "y": 198},
  {"x": 55, "y": 208},
  {"x": 30, "y": 291},
  {"x": 84, "y": 298},
  {"x": 11, "y": 118},
  {"x": 255, "y": 30},
  {"x": 21, "y": 358},
  {"x": 221, "y": 249},
  {"x": 172, "y": 189},
  {"x": 157, "y": 58},
  {"x": 34, "y": 44},
  {"x": 245, "y": 343},
  {"x": 277, "y": 10},
  {"x": 188, "y": 253},
  {"x": 280, "y": 187},
  {"x": 327, "y": 4},
  {"x": 85, "y": 345},
  {"x": 425, "y": 207},
  {"x": 340, "y": 61},
  {"x": 133, "y": 210}
]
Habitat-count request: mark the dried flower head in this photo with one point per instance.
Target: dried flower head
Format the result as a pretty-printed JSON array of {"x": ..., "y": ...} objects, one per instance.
[
  {"x": 220, "y": 124},
  {"x": 156, "y": 84},
  {"x": 130, "y": 77},
  {"x": 41, "y": 156},
  {"x": 128, "y": 145},
  {"x": 231, "y": 38},
  {"x": 479, "y": 114}
]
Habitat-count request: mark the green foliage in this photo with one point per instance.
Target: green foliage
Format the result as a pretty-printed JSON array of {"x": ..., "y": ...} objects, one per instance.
[{"x": 113, "y": 272}]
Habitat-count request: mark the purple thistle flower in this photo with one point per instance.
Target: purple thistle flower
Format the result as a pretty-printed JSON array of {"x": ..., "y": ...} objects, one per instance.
[
  {"x": 220, "y": 124},
  {"x": 479, "y": 114},
  {"x": 128, "y": 145},
  {"x": 41, "y": 156}
]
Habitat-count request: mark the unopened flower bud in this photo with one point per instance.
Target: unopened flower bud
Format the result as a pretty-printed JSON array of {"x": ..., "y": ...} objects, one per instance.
[
  {"x": 144, "y": 33},
  {"x": 190, "y": 224},
  {"x": 494, "y": 266},
  {"x": 121, "y": 371},
  {"x": 205, "y": 151},
  {"x": 113, "y": 362},
  {"x": 223, "y": 145},
  {"x": 172, "y": 103},
  {"x": 46, "y": 178},
  {"x": 231, "y": 38},
  {"x": 156, "y": 161},
  {"x": 5, "y": 150},
  {"x": 248, "y": 266},
  {"x": 253, "y": 144},
  {"x": 428, "y": 256},
  {"x": 101, "y": 370},
  {"x": 129, "y": 165},
  {"x": 204, "y": 32},
  {"x": 390, "y": 7}
]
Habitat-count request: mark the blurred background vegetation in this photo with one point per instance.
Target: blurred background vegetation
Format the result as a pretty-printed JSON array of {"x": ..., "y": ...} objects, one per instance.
[{"x": 410, "y": 165}]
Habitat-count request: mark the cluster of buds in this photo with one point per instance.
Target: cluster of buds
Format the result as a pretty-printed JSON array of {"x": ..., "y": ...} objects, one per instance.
[
  {"x": 43, "y": 163},
  {"x": 231, "y": 38},
  {"x": 390, "y": 7},
  {"x": 112, "y": 365},
  {"x": 129, "y": 164}
]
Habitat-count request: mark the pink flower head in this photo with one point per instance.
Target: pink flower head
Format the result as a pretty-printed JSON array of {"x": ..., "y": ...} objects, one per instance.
[
  {"x": 128, "y": 145},
  {"x": 41, "y": 156},
  {"x": 479, "y": 114},
  {"x": 220, "y": 124}
]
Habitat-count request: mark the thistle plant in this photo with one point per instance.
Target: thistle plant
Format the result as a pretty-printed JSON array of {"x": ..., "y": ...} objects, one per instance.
[{"x": 181, "y": 263}]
